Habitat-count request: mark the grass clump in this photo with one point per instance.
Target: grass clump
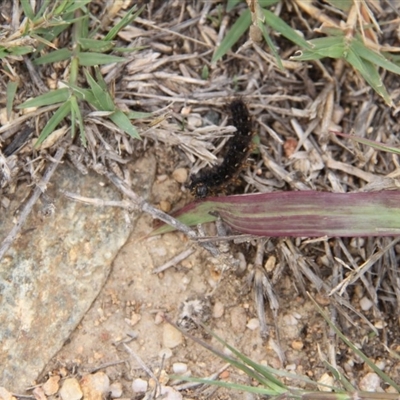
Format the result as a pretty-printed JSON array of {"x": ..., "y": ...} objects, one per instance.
[
  {"x": 43, "y": 29},
  {"x": 355, "y": 40}
]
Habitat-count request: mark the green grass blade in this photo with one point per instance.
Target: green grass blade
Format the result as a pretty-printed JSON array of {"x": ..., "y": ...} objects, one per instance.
[
  {"x": 370, "y": 73},
  {"x": 49, "y": 34},
  {"x": 73, "y": 119},
  {"x": 333, "y": 47},
  {"x": 54, "y": 56},
  {"x": 340, "y": 378},
  {"x": 123, "y": 122},
  {"x": 52, "y": 97},
  {"x": 235, "y": 33},
  {"x": 3, "y": 53},
  {"x": 138, "y": 115},
  {"x": 344, "y": 5},
  {"x": 271, "y": 45},
  {"x": 103, "y": 99},
  {"x": 82, "y": 94},
  {"x": 230, "y": 385},
  {"x": 15, "y": 51},
  {"x": 21, "y": 50},
  {"x": 28, "y": 11},
  {"x": 266, "y": 372},
  {"x": 72, "y": 6},
  {"x": 126, "y": 20},
  {"x": 59, "y": 9},
  {"x": 58, "y": 116},
  {"x": 100, "y": 80},
  {"x": 12, "y": 87},
  {"x": 267, "y": 3},
  {"x": 100, "y": 46},
  {"x": 43, "y": 8},
  {"x": 129, "y": 49},
  {"x": 92, "y": 59},
  {"x": 372, "y": 143},
  {"x": 232, "y": 4},
  {"x": 372, "y": 56},
  {"x": 284, "y": 29},
  {"x": 79, "y": 120}
]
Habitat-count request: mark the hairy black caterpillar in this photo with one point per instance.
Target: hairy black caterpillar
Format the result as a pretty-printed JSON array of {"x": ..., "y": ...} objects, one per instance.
[{"x": 209, "y": 181}]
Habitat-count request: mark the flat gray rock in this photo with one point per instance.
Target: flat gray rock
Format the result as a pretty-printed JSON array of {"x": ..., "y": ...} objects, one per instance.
[{"x": 56, "y": 267}]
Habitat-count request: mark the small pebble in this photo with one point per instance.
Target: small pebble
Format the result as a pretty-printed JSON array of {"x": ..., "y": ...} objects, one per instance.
[
  {"x": 224, "y": 374},
  {"x": 291, "y": 367},
  {"x": 38, "y": 393},
  {"x": 253, "y": 324},
  {"x": 325, "y": 379},
  {"x": 194, "y": 121},
  {"x": 70, "y": 390},
  {"x": 159, "y": 318},
  {"x": 171, "y": 337},
  {"x": 238, "y": 319},
  {"x": 297, "y": 345},
  {"x": 51, "y": 386},
  {"x": 180, "y": 175},
  {"x": 163, "y": 377},
  {"x": 162, "y": 178},
  {"x": 290, "y": 320},
  {"x": 218, "y": 309},
  {"x": 5, "y": 394},
  {"x": 165, "y": 353},
  {"x": 270, "y": 264},
  {"x": 94, "y": 386},
  {"x": 165, "y": 206},
  {"x": 168, "y": 393},
  {"x": 365, "y": 303},
  {"x": 139, "y": 386},
  {"x": 186, "y": 110},
  {"x": 379, "y": 324},
  {"x": 116, "y": 390},
  {"x": 179, "y": 368},
  {"x": 370, "y": 383}
]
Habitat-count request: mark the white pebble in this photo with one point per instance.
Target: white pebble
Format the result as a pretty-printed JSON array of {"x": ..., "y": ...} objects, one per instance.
[
  {"x": 370, "y": 383},
  {"x": 165, "y": 353},
  {"x": 180, "y": 175},
  {"x": 325, "y": 379},
  {"x": 218, "y": 309},
  {"x": 171, "y": 336},
  {"x": 116, "y": 390},
  {"x": 5, "y": 394},
  {"x": 290, "y": 320},
  {"x": 366, "y": 303},
  {"x": 179, "y": 368},
  {"x": 70, "y": 390},
  {"x": 139, "y": 386},
  {"x": 194, "y": 121},
  {"x": 95, "y": 385},
  {"x": 253, "y": 324},
  {"x": 170, "y": 394}
]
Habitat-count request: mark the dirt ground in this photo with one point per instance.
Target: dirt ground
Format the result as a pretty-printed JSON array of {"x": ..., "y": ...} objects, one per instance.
[
  {"x": 124, "y": 345},
  {"x": 132, "y": 306}
]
